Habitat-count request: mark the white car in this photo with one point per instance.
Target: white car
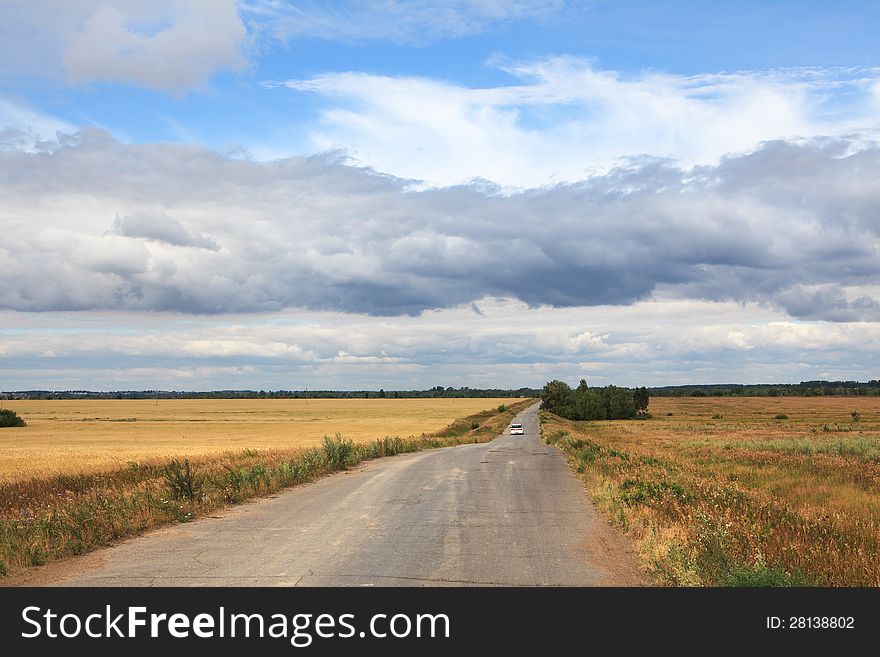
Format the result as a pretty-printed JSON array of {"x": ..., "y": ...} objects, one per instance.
[{"x": 516, "y": 430}]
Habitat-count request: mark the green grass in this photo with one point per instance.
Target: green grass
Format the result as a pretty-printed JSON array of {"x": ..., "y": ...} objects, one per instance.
[{"x": 760, "y": 575}]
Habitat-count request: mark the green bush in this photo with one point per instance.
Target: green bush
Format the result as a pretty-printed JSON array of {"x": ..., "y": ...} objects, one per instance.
[
  {"x": 339, "y": 452},
  {"x": 182, "y": 481},
  {"x": 9, "y": 418},
  {"x": 585, "y": 451}
]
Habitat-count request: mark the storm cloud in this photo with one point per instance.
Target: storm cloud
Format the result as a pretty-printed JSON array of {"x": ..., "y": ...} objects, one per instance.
[{"x": 90, "y": 223}]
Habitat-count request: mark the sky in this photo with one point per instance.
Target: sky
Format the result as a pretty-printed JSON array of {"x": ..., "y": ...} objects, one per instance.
[{"x": 279, "y": 194}]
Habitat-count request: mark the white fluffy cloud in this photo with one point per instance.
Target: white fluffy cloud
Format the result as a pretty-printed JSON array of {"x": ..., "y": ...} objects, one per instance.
[{"x": 564, "y": 119}]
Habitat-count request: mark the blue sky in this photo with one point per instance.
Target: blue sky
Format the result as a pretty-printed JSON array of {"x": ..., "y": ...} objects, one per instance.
[
  {"x": 281, "y": 194},
  {"x": 234, "y": 108}
]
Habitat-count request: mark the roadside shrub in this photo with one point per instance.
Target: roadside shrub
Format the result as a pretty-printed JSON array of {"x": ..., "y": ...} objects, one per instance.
[
  {"x": 586, "y": 451},
  {"x": 237, "y": 484},
  {"x": 557, "y": 436},
  {"x": 9, "y": 418},
  {"x": 182, "y": 482},
  {"x": 780, "y": 416},
  {"x": 339, "y": 452},
  {"x": 713, "y": 542},
  {"x": 391, "y": 446},
  {"x": 502, "y": 408}
]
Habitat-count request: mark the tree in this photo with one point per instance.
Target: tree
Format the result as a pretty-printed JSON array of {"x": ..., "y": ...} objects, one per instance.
[
  {"x": 588, "y": 405},
  {"x": 556, "y": 397},
  {"x": 641, "y": 398},
  {"x": 619, "y": 403}
]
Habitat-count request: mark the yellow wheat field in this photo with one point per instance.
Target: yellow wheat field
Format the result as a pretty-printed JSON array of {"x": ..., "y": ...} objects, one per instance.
[{"x": 74, "y": 436}]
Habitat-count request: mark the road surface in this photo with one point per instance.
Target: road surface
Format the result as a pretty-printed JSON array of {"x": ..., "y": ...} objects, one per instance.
[{"x": 508, "y": 512}]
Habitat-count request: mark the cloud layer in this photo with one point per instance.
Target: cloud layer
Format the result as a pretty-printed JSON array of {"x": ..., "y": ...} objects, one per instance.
[
  {"x": 493, "y": 342},
  {"x": 94, "y": 224},
  {"x": 563, "y": 119}
]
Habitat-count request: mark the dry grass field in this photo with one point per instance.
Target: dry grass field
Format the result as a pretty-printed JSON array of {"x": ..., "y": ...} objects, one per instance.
[
  {"x": 81, "y": 436},
  {"x": 741, "y": 491}
]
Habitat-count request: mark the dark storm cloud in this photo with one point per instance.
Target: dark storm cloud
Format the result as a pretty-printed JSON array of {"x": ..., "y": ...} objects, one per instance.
[
  {"x": 828, "y": 303},
  {"x": 91, "y": 223}
]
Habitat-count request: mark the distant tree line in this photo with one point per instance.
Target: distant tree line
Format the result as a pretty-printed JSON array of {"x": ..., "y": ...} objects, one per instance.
[
  {"x": 431, "y": 393},
  {"x": 802, "y": 389},
  {"x": 586, "y": 403}
]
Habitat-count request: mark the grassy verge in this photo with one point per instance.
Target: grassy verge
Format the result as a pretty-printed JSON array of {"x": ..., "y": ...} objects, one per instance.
[
  {"x": 46, "y": 519},
  {"x": 729, "y": 511}
]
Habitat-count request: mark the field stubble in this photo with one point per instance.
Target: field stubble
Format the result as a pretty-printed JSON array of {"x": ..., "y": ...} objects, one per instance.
[{"x": 741, "y": 491}]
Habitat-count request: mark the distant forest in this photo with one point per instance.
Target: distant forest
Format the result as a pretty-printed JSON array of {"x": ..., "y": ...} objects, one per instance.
[
  {"x": 802, "y": 389},
  {"x": 431, "y": 393}
]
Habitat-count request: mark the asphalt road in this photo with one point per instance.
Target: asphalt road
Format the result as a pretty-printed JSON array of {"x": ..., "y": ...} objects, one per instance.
[{"x": 508, "y": 512}]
